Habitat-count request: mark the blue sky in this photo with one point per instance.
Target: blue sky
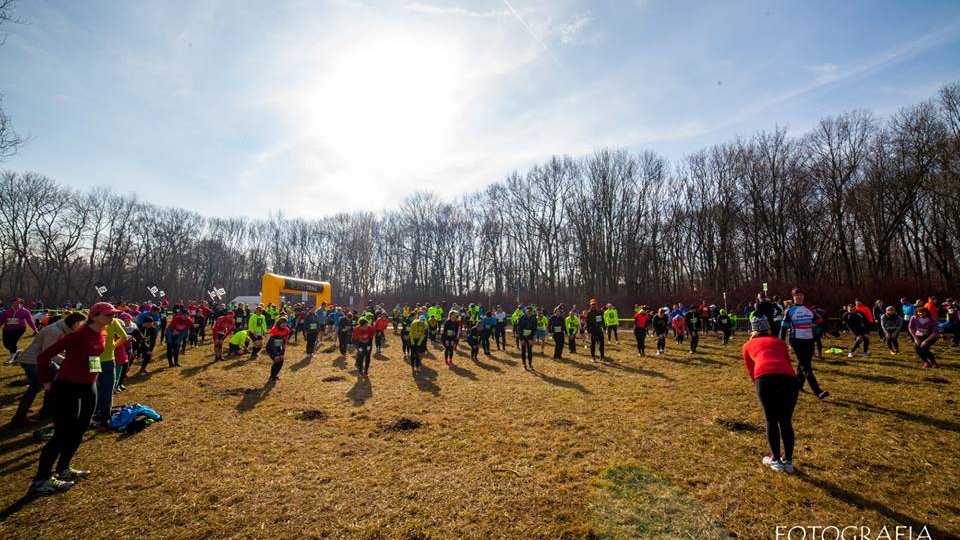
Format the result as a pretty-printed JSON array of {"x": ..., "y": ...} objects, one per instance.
[{"x": 317, "y": 106}]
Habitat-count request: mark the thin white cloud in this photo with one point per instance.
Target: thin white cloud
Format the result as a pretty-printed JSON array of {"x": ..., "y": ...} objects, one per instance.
[{"x": 430, "y": 9}]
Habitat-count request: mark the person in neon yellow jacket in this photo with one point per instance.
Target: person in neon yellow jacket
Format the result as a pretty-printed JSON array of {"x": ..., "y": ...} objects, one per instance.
[
  {"x": 611, "y": 319},
  {"x": 572, "y": 323}
]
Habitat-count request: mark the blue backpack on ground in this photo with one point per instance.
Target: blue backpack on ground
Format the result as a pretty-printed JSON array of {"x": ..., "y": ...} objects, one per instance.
[{"x": 133, "y": 417}]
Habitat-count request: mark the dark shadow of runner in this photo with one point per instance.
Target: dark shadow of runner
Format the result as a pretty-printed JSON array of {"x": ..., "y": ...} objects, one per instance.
[
  {"x": 463, "y": 372},
  {"x": 253, "y": 396},
  {"x": 362, "y": 391},
  {"x": 563, "y": 383},
  {"x": 302, "y": 364},
  {"x": 426, "y": 380}
]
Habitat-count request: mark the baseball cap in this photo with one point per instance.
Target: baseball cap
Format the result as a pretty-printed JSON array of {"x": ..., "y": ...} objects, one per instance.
[{"x": 102, "y": 308}]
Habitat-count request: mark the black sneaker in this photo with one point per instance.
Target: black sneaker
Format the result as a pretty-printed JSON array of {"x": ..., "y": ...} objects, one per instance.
[{"x": 823, "y": 394}]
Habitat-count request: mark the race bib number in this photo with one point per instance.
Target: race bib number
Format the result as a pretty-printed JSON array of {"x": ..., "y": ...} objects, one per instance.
[
  {"x": 278, "y": 343},
  {"x": 93, "y": 364},
  {"x": 598, "y": 318},
  {"x": 450, "y": 332},
  {"x": 557, "y": 329},
  {"x": 527, "y": 332},
  {"x": 313, "y": 326}
]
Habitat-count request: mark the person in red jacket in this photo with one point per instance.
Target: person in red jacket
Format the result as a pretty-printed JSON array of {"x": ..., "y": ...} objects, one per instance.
[
  {"x": 641, "y": 319},
  {"x": 363, "y": 339},
  {"x": 72, "y": 398},
  {"x": 768, "y": 364},
  {"x": 865, "y": 309},
  {"x": 380, "y": 326},
  {"x": 277, "y": 346},
  {"x": 177, "y": 332},
  {"x": 223, "y": 327}
]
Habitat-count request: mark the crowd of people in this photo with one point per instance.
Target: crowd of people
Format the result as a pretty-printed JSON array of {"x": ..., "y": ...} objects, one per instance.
[{"x": 81, "y": 358}]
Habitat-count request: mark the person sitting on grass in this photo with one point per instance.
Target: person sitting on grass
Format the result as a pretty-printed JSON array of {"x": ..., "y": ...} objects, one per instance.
[{"x": 768, "y": 364}]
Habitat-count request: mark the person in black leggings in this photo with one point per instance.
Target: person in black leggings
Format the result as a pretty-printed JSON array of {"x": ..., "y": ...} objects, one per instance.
[
  {"x": 768, "y": 364},
  {"x": 526, "y": 328},
  {"x": 661, "y": 325}
]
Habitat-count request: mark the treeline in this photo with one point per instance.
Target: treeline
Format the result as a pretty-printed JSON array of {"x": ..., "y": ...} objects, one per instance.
[{"x": 856, "y": 201}]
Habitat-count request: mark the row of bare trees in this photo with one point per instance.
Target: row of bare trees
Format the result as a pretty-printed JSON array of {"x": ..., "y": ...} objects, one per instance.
[{"x": 856, "y": 200}]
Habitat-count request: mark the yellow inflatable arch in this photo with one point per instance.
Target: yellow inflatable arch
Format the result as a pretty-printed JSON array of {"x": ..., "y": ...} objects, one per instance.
[{"x": 293, "y": 290}]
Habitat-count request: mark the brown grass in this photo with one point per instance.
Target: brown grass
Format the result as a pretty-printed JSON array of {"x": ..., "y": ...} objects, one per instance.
[{"x": 641, "y": 447}]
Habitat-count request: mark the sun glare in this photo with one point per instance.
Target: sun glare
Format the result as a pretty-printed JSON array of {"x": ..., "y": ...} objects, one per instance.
[{"x": 385, "y": 104}]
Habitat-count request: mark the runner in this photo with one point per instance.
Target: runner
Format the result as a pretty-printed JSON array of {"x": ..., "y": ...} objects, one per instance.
[
  {"x": 239, "y": 343},
  {"x": 345, "y": 331},
  {"x": 380, "y": 327},
  {"x": 115, "y": 336},
  {"x": 451, "y": 334},
  {"x": 418, "y": 342},
  {"x": 362, "y": 337},
  {"x": 541, "y": 335},
  {"x": 891, "y": 324},
  {"x": 768, "y": 364},
  {"x": 405, "y": 337},
  {"x": 798, "y": 320},
  {"x": 277, "y": 346},
  {"x": 311, "y": 329},
  {"x": 661, "y": 326},
  {"x": 500, "y": 330},
  {"x": 27, "y": 359},
  {"x": 525, "y": 329},
  {"x": 693, "y": 323},
  {"x": 611, "y": 319},
  {"x": 490, "y": 322},
  {"x": 474, "y": 337},
  {"x": 555, "y": 326},
  {"x": 73, "y": 398},
  {"x": 14, "y": 320},
  {"x": 859, "y": 326},
  {"x": 126, "y": 351},
  {"x": 176, "y": 335},
  {"x": 223, "y": 327},
  {"x": 572, "y": 325},
  {"x": 594, "y": 323},
  {"x": 257, "y": 327},
  {"x": 641, "y": 319},
  {"x": 725, "y": 326},
  {"x": 679, "y": 327},
  {"x": 924, "y": 331}
]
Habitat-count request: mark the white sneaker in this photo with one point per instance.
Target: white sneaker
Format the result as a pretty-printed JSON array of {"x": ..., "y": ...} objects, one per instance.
[
  {"x": 849, "y": 355},
  {"x": 773, "y": 463},
  {"x": 13, "y": 358}
]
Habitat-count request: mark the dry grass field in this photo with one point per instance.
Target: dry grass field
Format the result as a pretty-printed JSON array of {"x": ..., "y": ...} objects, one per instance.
[{"x": 658, "y": 447}]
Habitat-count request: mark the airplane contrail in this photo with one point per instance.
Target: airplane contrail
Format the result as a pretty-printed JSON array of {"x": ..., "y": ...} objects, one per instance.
[{"x": 532, "y": 33}]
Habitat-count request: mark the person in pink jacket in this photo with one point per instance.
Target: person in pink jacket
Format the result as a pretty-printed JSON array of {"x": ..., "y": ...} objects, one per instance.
[{"x": 14, "y": 320}]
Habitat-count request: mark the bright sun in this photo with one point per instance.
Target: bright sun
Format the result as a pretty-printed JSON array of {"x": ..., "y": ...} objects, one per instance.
[{"x": 388, "y": 103}]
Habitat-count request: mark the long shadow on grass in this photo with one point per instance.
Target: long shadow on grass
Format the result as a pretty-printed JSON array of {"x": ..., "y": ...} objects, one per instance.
[
  {"x": 641, "y": 371},
  {"x": 253, "y": 396},
  {"x": 885, "y": 379},
  {"x": 488, "y": 367},
  {"x": 860, "y": 501},
  {"x": 15, "y": 507},
  {"x": 239, "y": 362},
  {"x": 426, "y": 380},
  {"x": 903, "y": 415},
  {"x": 190, "y": 372},
  {"x": 573, "y": 363},
  {"x": 340, "y": 362},
  {"x": 303, "y": 363},
  {"x": 506, "y": 361},
  {"x": 563, "y": 383},
  {"x": 362, "y": 391},
  {"x": 463, "y": 372},
  {"x": 692, "y": 361}
]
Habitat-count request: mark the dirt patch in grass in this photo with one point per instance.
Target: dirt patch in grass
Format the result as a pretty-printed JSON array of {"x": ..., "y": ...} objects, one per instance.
[
  {"x": 738, "y": 426},
  {"x": 333, "y": 378},
  {"x": 401, "y": 424},
  {"x": 311, "y": 415}
]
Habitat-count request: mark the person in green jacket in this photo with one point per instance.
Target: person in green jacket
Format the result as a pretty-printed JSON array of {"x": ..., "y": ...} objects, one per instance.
[
  {"x": 258, "y": 328},
  {"x": 612, "y": 320},
  {"x": 542, "y": 322},
  {"x": 517, "y": 313},
  {"x": 418, "y": 342},
  {"x": 572, "y": 323}
]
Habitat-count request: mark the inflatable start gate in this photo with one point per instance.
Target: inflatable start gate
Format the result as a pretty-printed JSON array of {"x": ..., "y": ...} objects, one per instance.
[{"x": 276, "y": 288}]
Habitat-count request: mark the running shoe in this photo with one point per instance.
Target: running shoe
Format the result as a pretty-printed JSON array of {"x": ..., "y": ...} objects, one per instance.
[
  {"x": 823, "y": 394},
  {"x": 787, "y": 465},
  {"x": 934, "y": 365},
  {"x": 926, "y": 364},
  {"x": 773, "y": 463},
  {"x": 849, "y": 355},
  {"x": 865, "y": 355},
  {"x": 50, "y": 486},
  {"x": 72, "y": 475}
]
